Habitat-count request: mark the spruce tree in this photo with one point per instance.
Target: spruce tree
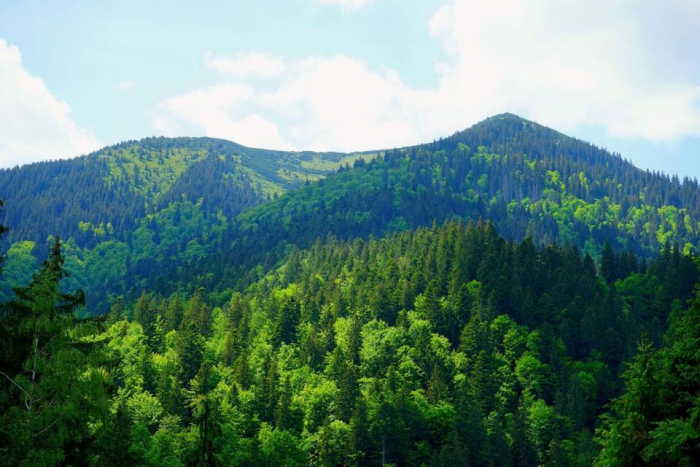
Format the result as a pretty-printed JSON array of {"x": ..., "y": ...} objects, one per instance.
[{"x": 50, "y": 392}]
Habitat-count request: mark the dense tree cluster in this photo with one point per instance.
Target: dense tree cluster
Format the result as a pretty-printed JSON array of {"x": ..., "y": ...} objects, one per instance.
[
  {"x": 578, "y": 194},
  {"x": 655, "y": 421},
  {"x": 129, "y": 207},
  {"x": 510, "y": 134}
]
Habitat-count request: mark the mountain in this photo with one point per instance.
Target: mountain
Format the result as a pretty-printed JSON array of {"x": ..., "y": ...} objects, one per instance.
[
  {"x": 102, "y": 203},
  {"x": 163, "y": 212},
  {"x": 530, "y": 181},
  {"x": 121, "y": 184},
  {"x": 527, "y": 179}
]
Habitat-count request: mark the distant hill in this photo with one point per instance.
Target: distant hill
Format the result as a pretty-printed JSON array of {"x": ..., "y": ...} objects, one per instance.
[{"x": 110, "y": 190}]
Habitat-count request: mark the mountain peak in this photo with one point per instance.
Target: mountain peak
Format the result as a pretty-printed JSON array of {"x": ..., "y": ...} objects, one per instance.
[
  {"x": 510, "y": 121},
  {"x": 507, "y": 133},
  {"x": 506, "y": 116}
]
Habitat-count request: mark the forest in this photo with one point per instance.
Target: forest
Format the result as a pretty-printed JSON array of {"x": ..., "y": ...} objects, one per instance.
[
  {"x": 508, "y": 296},
  {"x": 444, "y": 346}
]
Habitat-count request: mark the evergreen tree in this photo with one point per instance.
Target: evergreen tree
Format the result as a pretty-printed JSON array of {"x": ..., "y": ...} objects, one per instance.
[
  {"x": 655, "y": 421},
  {"x": 608, "y": 263},
  {"x": 206, "y": 419},
  {"x": 51, "y": 391}
]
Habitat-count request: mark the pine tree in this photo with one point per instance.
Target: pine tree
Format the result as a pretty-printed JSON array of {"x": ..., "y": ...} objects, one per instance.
[
  {"x": 189, "y": 346},
  {"x": 359, "y": 433},
  {"x": 3, "y": 229},
  {"x": 51, "y": 392},
  {"x": 608, "y": 263},
  {"x": 206, "y": 419},
  {"x": 267, "y": 391},
  {"x": 287, "y": 321},
  {"x": 348, "y": 391},
  {"x": 173, "y": 314},
  {"x": 145, "y": 313},
  {"x": 284, "y": 415},
  {"x": 114, "y": 442},
  {"x": 655, "y": 422}
]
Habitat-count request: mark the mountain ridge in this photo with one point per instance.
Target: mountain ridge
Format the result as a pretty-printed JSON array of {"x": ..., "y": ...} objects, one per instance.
[
  {"x": 209, "y": 212},
  {"x": 101, "y": 186}
]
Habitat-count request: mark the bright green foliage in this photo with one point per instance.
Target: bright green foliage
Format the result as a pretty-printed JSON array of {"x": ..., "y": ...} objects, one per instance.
[
  {"x": 147, "y": 169},
  {"x": 347, "y": 355},
  {"x": 337, "y": 357},
  {"x": 19, "y": 265}
]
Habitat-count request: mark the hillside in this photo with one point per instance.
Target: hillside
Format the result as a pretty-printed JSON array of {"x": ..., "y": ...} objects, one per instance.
[
  {"x": 530, "y": 181},
  {"x": 527, "y": 179},
  {"x": 109, "y": 191},
  {"x": 127, "y": 207}
]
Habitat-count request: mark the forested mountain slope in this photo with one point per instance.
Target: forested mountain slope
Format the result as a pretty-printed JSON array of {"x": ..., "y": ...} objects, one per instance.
[
  {"x": 109, "y": 191},
  {"x": 137, "y": 203},
  {"x": 528, "y": 180}
]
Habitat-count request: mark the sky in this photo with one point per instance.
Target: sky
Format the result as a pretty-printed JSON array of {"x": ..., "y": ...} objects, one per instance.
[{"x": 348, "y": 75}]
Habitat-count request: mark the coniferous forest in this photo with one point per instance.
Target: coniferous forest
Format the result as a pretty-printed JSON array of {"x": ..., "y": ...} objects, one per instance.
[{"x": 507, "y": 296}]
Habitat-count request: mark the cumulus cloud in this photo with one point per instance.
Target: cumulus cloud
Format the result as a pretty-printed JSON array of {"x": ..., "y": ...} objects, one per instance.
[
  {"x": 564, "y": 64},
  {"x": 34, "y": 124},
  {"x": 216, "y": 111},
  {"x": 339, "y": 102},
  {"x": 572, "y": 63}
]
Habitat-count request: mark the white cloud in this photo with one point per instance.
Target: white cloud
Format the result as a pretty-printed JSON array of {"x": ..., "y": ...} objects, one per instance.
[
  {"x": 564, "y": 64},
  {"x": 338, "y": 103},
  {"x": 244, "y": 65},
  {"x": 345, "y": 5},
  {"x": 215, "y": 111},
  {"x": 571, "y": 63},
  {"x": 126, "y": 85},
  {"x": 34, "y": 124}
]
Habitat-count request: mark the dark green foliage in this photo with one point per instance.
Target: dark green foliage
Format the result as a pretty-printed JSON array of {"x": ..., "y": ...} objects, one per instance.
[
  {"x": 656, "y": 420},
  {"x": 3, "y": 229},
  {"x": 529, "y": 181},
  {"x": 51, "y": 389},
  {"x": 209, "y": 430},
  {"x": 138, "y": 206},
  {"x": 120, "y": 184},
  {"x": 522, "y": 383}
]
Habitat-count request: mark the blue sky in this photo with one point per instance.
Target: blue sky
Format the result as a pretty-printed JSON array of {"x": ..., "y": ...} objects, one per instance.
[{"x": 348, "y": 74}]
